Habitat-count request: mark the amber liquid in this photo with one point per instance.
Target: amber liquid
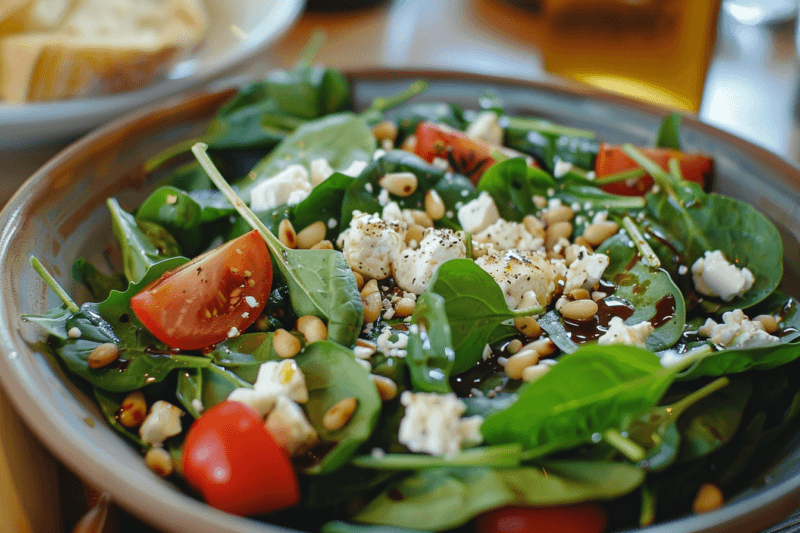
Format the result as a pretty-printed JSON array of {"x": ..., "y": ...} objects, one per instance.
[{"x": 655, "y": 50}]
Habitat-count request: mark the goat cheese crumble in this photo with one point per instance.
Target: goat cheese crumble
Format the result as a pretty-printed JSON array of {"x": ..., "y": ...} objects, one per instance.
[{"x": 715, "y": 276}]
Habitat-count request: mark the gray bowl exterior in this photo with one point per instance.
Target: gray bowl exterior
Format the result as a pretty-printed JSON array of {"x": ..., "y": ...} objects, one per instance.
[{"x": 59, "y": 214}]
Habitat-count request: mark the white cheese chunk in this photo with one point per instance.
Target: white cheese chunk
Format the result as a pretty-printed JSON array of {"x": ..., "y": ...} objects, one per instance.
[
  {"x": 620, "y": 333},
  {"x": 432, "y": 424},
  {"x": 737, "y": 330},
  {"x": 284, "y": 377},
  {"x": 288, "y": 425},
  {"x": 585, "y": 271},
  {"x": 320, "y": 171},
  {"x": 290, "y": 183},
  {"x": 519, "y": 271},
  {"x": 506, "y": 235},
  {"x": 486, "y": 128},
  {"x": 478, "y": 214},
  {"x": 413, "y": 269},
  {"x": 392, "y": 343},
  {"x": 370, "y": 244},
  {"x": 260, "y": 402},
  {"x": 714, "y": 276},
  {"x": 163, "y": 421}
]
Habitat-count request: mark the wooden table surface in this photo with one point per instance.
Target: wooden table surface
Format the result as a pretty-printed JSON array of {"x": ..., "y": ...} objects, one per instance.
[{"x": 751, "y": 91}]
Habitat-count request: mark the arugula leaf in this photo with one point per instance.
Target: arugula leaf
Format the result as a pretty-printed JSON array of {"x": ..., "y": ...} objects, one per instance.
[{"x": 430, "y": 354}]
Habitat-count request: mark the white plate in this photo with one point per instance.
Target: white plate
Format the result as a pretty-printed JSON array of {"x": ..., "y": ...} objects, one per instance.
[{"x": 222, "y": 51}]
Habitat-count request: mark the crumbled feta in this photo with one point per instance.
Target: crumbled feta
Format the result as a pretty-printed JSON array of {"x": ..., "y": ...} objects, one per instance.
[
  {"x": 585, "y": 271},
  {"x": 370, "y": 243},
  {"x": 486, "y": 127},
  {"x": 383, "y": 197},
  {"x": 163, "y": 421},
  {"x": 478, "y": 214},
  {"x": 392, "y": 348},
  {"x": 233, "y": 332},
  {"x": 413, "y": 269},
  {"x": 620, "y": 333},
  {"x": 600, "y": 217},
  {"x": 737, "y": 330},
  {"x": 713, "y": 275},
  {"x": 260, "y": 402},
  {"x": 561, "y": 168},
  {"x": 74, "y": 333},
  {"x": 432, "y": 424},
  {"x": 291, "y": 182},
  {"x": 519, "y": 271},
  {"x": 355, "y": 169},
  {"x": 197, "y": 405},
  {"x": 392, "y": 212},
  {"x": 320, "y": 171},
  {"x": 282, "y": 377},
  {"x": 506, "y": 235},
  {"x": 288, "y": 425},
  {"x": 251, "y": 301}
]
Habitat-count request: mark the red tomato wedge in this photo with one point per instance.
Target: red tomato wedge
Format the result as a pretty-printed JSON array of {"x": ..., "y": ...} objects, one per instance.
[
  {"x": 200, "y": 303},
  {"x": 231, "y": 459},
  {"x": 467, "y": 156},
  {"x": 611, "y": 160},
  {"x": 580, "y": 518}
]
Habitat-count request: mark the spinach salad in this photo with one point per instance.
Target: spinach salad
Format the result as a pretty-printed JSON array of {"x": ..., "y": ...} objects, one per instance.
[{"x": 423, "y": 318}]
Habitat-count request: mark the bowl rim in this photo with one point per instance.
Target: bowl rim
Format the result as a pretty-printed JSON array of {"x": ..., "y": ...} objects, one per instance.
[{"x": 771, "y": 504}]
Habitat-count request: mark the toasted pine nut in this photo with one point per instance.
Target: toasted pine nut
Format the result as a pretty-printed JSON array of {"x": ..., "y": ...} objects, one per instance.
[
  {"x": 286, "y": 345},
  {"x": 534, "y": 226},
  {"x": 103, "y": 355},
  {"x": 409, "y": 144},
  {"x": 554, "y": 215},
  {"x": 539, "y": 201},
  {"x": 364, "y": 343},
  {"x": 364, "y": 364},
  {"x": 369, "y": 288},
  {"x": 385, "y": 130},
  {"x": 519, "y": 362},
  {"x": 544, "y": 347},
  {"x": 708, "y": 498},
  {"x": 598, "y": 295},
  {"x": 286, "y": 234},
  {"x": 581, "y": 241},
  {"x": 132, "y": 410},
  {"x": 579, "y": 294},
  {"x": 769, "y": 322},
  {"x": 404, "y": 307},
  {"x": 323, "y": 245},
  {"x": 415, "y": 232},
  {"x": 514, "y": 346},
  {"x": 311, "y": 235},
  {"x": 371, "y": 299},
  {"x": 580, "y": 310},
  {"x": 359, "y": 280},
  {"x": 532, "y": 373},
  {"x": 560, "y": 302},
  {"x": 339, "y": 415},
  {"x": 387, "y": 389},
  {"x": 434, "y": 205},
  {"x": 159, "y": 461},
  {"x": 312, "y": 328},
  {"x": 597, "y": 233},
  {"x": 555, "y": 232},
  {"x": 399, "y": 183},
  {"x": 421, "y": 218},
  {"x": 528, "y": 326}
]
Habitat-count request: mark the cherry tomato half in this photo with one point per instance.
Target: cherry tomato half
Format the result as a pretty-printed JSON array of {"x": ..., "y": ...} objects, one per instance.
[
  {"x": 584, "y": 518},
  {"x": 611, "y": 159},
  {"x": 198, "y": 304},
  {"x": 467, "y": 156},
  {"x": 231, "y": 459}
]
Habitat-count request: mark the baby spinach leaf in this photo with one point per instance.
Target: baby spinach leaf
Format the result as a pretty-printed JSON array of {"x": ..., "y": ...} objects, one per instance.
[
  {"x": 500, "y": 456},
  {"x": 430, "y": 354},
  {"x": 308, "y": 91},
  {"x": 332, "y": 374},
  {"x": 323, "y": 203},
  {"x": 655, "y": 298},
  {"x": 474, "y": 305},
  {"x": 409, "y": 116},
  {"x": 143, "y": 244},
  {"x": 548, "y": 142},
  {"x": 208, "y": 386},
  {"x": 337, "y": 526},
  {"x": 513, "y": 184},
  {"x": 175, "y": 211},
  {"x": 244, "y": 354},
  {"x": 99, "y": 284},
  {"x": 669, "y": 133},
  {"x": 587, "y": 392}
]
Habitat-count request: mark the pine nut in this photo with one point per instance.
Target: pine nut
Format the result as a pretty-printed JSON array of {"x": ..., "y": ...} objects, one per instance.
[
  {"x": 581, "y": 241},
  {"x": 311, "y": 235},
  {"x": 285, "y": 344},
  {"x": 159, "y": 461},
  {"x": 409, "y": 144},
  {"x": 286, "y": 234},
  {"x": 597, "y": 233},
  {"x": 534, "y": 226},
  {"x": 528, "y": 326},
  {"x": 369, "y": 288},
  {"x": 421, "y": 218},
  {"x": 404, "y": 307},
  {"x": 561, "y": 213},
  {"x": 387, "y": 389},
  {"x": 372, "y": 307},
  {"x": 364, "y": 349},
  {"x": 385, "y": 130},
  {"x": 312, "y": 328},
  {"x": 359, "y": 280},
  {"x": 708, "y": 498},
  {"x": 579, "y": 294},
  {"x": 323, "y": 245},
  {"x": 532, "y": 373},
  {"x": 580, "y": 310},
  {"x": 598, "y": 295},
  {"x": 514, "y": 346},
  {"x": 364, "y": 364},
  {"x": 539, "y": 201},
  {"x": 562, "y": 300},
  {"x": 132, "y": 410},
  {"x": 415, "y": 232},
  {"x": 103, "y": 355},
  {"x": 544, "y": 347},
  {"x": 769, "y": 322},
  {"x": 399, "y": 183},
  {"x": 339, "y": 415},
  {"x": 434, "y": 205},
  {"x": 556, "y": 232},
  {"x": 519, "y": 362}
]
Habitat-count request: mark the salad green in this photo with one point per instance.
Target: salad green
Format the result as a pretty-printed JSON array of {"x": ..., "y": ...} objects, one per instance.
[{"x": 404, "y": 413}]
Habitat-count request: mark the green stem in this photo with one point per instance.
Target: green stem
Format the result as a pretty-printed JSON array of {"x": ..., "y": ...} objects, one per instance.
[
  {"x": 528, "y": 311},
  {"x": 675, "y": 169},
  {"x": 680, "y": 406},
  {"x": 543, "y": 126},
  {"x": 663, "y": 179},
  {"x": 468, "y": 243},
  {"x": 382, "y": 103},
  {"x": 625, "y": 175},
  {"x": 624, "y": 445},
  {"x": 312, "y": 48},
  {"x": 159, "y": 159},
  {"x": 649, "y": 257},
  {"x": 275, "y": 246},
  {"x": 53, "y": 284}
]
